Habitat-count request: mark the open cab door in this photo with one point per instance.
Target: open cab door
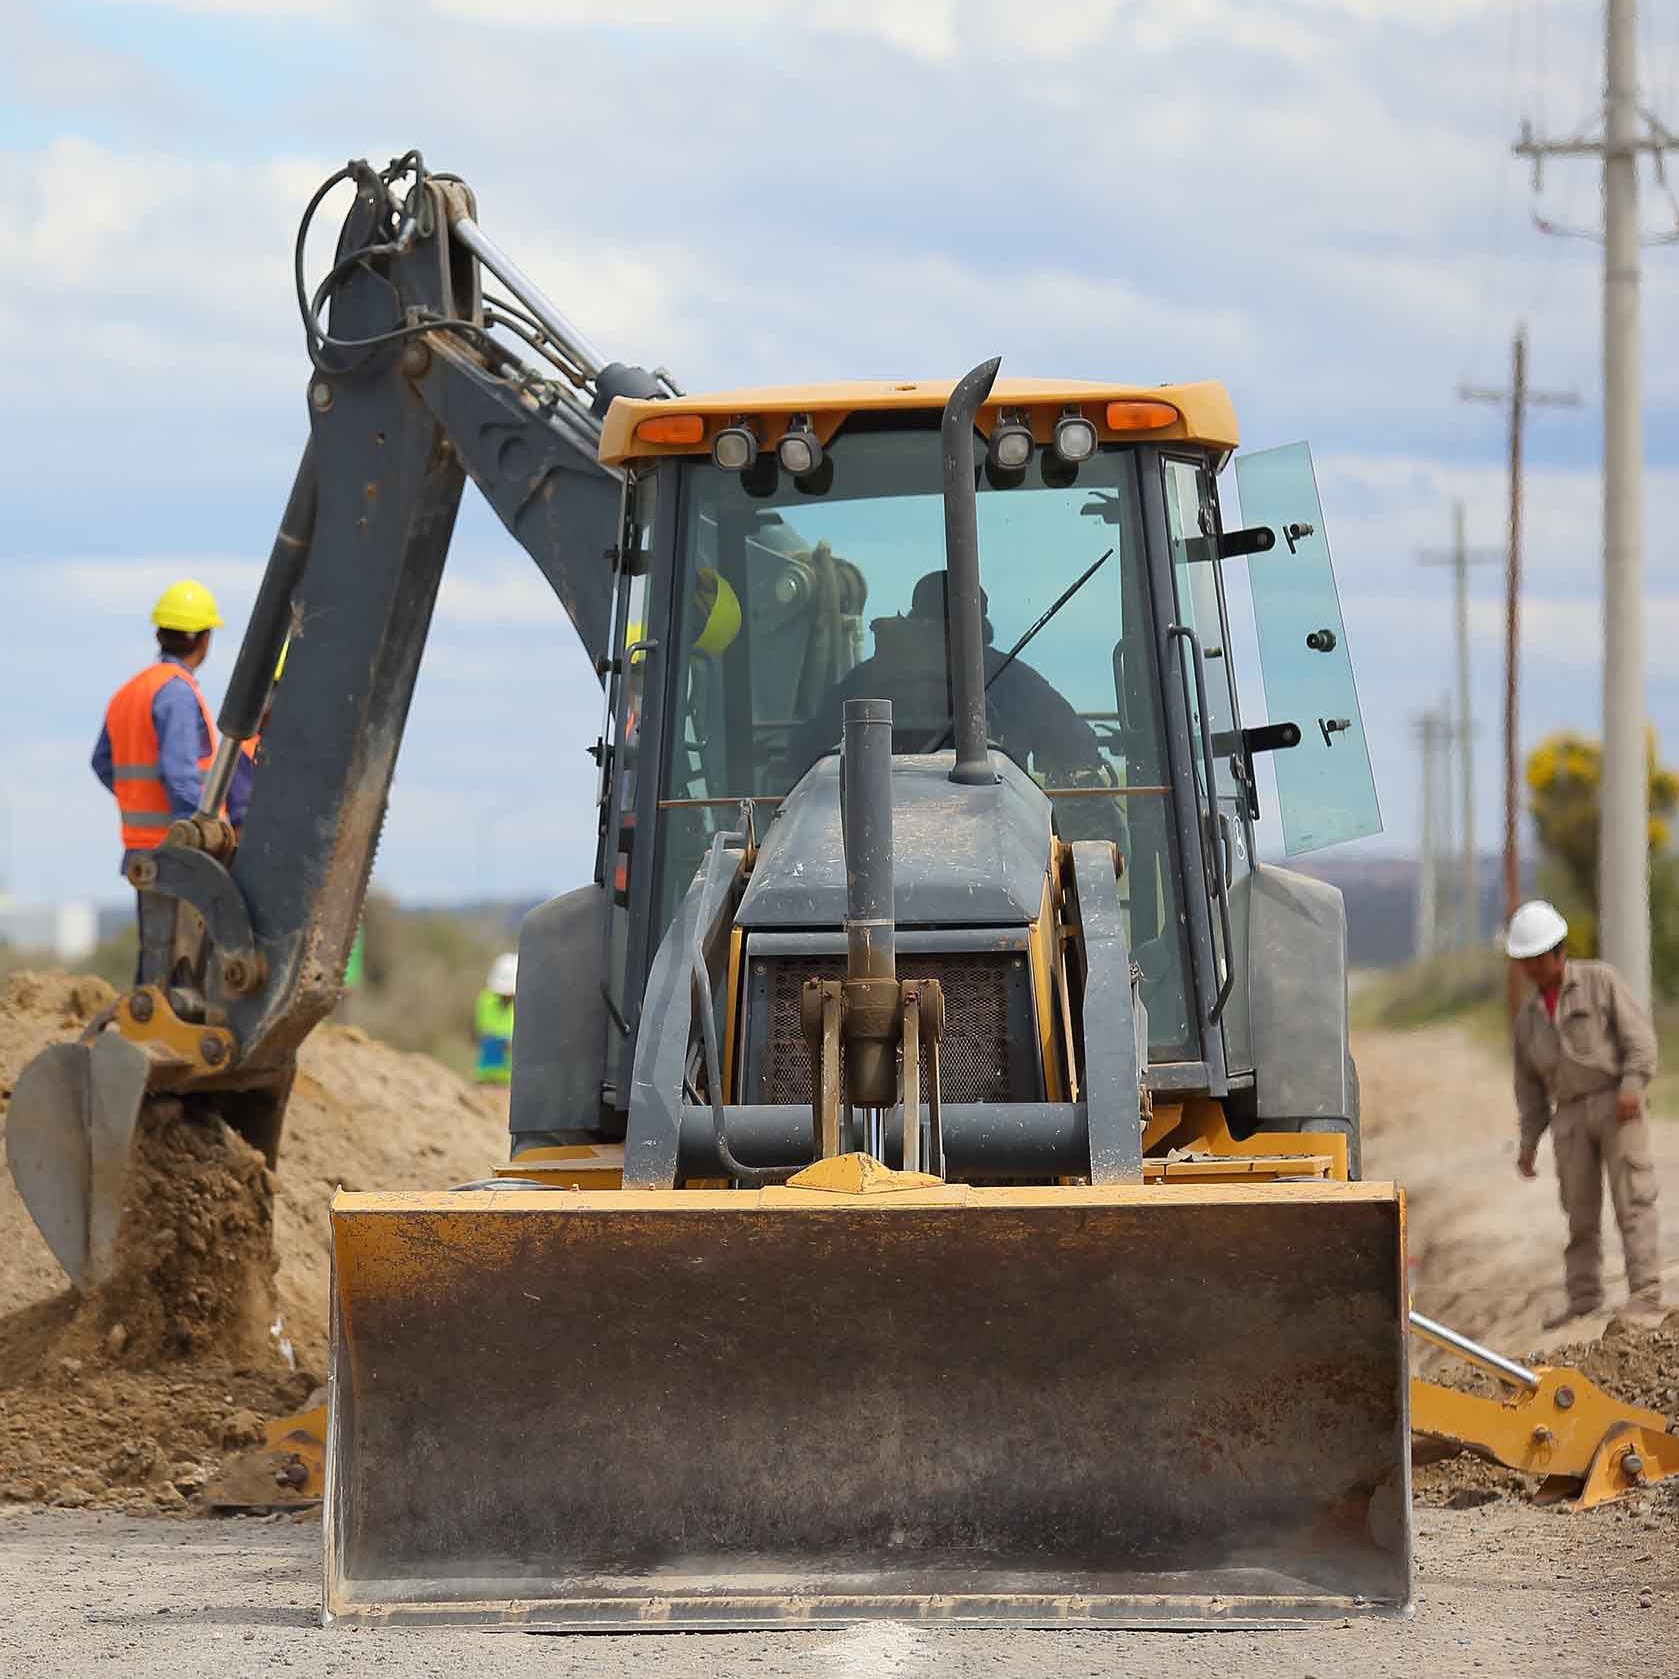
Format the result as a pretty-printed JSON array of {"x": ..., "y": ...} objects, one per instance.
[{"x": 1326, "y": 790}]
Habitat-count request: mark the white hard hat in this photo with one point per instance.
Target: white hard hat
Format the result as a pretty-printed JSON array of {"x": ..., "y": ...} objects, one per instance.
[
  {"x": 504, "y": 974},
  {"x": 1535, "y": 928}
]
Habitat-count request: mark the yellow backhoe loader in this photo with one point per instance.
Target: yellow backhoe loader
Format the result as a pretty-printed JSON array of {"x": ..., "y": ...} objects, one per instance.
[{"x": 934, "y": 1185}]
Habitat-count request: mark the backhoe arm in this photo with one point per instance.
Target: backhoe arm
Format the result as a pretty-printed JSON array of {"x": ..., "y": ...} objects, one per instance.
[
  {"x": 410, "y": 396},
  {"x": 244, "y": 938}
]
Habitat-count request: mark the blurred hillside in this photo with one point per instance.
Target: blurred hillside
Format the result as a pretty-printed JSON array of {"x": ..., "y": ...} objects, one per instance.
[{"x": 1381, "y": 895}]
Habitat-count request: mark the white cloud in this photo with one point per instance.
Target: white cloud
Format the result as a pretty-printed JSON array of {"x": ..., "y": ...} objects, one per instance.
[
  {"x": 128, "y": 588},
  {"x": 87, "y": 216},
  {"x": 172, "y": 271},
  {"x": 931, "y": 28},
  {"x": 924, "y": 27},
  {"x": 506, "y": 596},
  {"x": 1383, "y": 510},
  {"x": 248, "y": 8},
  {"x": 475, "y": 591},
  {"x": 1561, "y": 635},
  {"x": 623, "y": 299}
]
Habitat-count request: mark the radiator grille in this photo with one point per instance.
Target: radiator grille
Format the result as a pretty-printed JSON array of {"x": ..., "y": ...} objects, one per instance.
[{"x": 987, "y": 1053}]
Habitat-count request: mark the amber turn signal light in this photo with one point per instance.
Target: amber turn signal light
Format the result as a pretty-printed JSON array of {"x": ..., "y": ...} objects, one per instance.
[
  {"x": 1140, "y": 416},
  {"x": 671, "y": 428}
]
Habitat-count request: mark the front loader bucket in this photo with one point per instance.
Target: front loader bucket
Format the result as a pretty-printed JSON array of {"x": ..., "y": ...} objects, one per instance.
[
  {"x": 712, "y": 1408},
  {"x": 69, "y": 1125}
]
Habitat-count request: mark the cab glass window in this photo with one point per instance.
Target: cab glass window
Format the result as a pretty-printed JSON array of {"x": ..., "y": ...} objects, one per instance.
[{"x": 793, "y": 596}]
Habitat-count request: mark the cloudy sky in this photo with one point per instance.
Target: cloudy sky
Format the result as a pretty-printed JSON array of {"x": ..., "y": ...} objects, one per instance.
[{"x": 1310, "y": 199}]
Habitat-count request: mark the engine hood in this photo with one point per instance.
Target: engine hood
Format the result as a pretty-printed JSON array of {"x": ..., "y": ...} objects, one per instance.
[{"x": 962, "y": 856}]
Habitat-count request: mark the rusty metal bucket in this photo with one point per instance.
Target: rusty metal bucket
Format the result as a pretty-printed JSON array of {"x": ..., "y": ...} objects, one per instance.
[{"x": 710, "y": 1408}]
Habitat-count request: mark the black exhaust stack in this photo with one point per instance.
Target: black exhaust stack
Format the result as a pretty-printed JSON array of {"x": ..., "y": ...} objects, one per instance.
[
  {"x": 964, "y": 615},
  {"x": 872, "y": 1028}
]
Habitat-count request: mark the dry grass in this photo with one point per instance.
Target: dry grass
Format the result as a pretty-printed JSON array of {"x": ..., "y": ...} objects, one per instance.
[{"x": 424, "y": 968}]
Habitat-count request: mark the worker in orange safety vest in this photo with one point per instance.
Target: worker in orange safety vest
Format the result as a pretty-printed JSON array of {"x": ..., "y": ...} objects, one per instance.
[{"x": 158, "y": 738}]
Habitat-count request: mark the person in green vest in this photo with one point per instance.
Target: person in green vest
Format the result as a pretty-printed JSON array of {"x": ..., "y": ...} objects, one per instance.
[{"x": 492, "y": 1024}]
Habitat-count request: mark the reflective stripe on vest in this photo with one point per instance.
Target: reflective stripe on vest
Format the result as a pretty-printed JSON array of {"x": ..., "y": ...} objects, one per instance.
[{"x": 142, "y": 799}]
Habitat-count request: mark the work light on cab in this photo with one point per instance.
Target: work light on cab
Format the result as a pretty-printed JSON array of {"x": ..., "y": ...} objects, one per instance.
[
  {"x": 735, "y": 448},
  {"x": 1075, "y": 437},
  {"x": 1010, "y": 447},
  {"x": 799, "y": 451}
]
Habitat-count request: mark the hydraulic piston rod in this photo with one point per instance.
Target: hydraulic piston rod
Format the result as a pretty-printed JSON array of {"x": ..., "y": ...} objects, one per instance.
[
  {"x": 1452, "y": 1341},
  {"x": 566, "y": 337},
  {"x": 606, "y": 378}
]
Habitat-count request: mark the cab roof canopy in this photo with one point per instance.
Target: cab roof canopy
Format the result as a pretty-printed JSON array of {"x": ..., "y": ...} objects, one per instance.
[{"x": 1198, "y": 413}]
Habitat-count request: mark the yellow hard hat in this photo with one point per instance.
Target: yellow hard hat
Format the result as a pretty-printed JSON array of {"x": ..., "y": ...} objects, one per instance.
[
  {"x": 716, "y": 598},
  {"x": 186, "y": 606},
  {"x": 721, "y": 605}
]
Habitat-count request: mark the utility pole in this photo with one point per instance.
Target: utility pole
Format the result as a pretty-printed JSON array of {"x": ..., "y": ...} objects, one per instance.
[
  {"x": 1434, "y": 732},
  {"x": 1460, "y": 559},
  {"x": 1428, "y": 857},
  {"x": 1624, "y": 810},
  {"x": 1517, "y": 397}
]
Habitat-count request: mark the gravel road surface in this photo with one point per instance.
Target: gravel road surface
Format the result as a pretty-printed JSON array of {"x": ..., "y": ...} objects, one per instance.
[{"x": 1504, "y": 1590}]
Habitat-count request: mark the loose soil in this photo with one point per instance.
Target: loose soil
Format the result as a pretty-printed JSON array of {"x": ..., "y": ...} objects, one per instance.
[{"x": 217, "y": 1320}]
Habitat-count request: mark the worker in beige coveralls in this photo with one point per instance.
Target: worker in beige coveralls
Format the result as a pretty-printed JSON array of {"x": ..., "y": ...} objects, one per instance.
[{"x": 1584, "y": 1052}]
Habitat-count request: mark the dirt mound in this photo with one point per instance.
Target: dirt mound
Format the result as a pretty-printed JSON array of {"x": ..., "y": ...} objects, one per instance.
[
  {"x": 37, "y": 1009},
  {"x": 87, "y": 1427},
  {"x": 126, "y": 1396},
  {"x": 365, "y": 1116},
  {"x": 128, "y": 1399},
  {"x": 1464, "y": 1482},
  {"x": 1636, "y": 1363}
]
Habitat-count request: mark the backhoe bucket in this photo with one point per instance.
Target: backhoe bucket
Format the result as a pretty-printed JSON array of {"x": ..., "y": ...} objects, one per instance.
[
  {"x": 705, "y": 1409},
  {"x": 69, "y": 1125}
]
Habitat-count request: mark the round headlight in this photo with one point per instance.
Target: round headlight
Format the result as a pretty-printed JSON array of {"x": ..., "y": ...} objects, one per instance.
[
  {"x": 1011, "y": 446},
  {"x": 734, "y": 448},
  {"x": 1075, "y": 438},
  {"x": 799, "y": 452}
]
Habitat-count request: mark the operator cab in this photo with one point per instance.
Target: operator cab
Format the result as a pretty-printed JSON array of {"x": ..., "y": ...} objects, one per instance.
[{"x": 787, "y": 554}]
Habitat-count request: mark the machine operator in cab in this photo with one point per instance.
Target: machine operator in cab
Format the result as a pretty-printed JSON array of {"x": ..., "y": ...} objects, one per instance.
[{"x": 1027, "y": 716}]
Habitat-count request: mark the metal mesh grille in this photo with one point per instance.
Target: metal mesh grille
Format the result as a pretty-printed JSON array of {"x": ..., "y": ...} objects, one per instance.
[{"x": 981, "y": 1058}]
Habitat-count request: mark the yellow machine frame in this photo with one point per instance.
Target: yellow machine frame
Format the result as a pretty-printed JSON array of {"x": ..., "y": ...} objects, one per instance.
[{"x": 1203, "y": 412}]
